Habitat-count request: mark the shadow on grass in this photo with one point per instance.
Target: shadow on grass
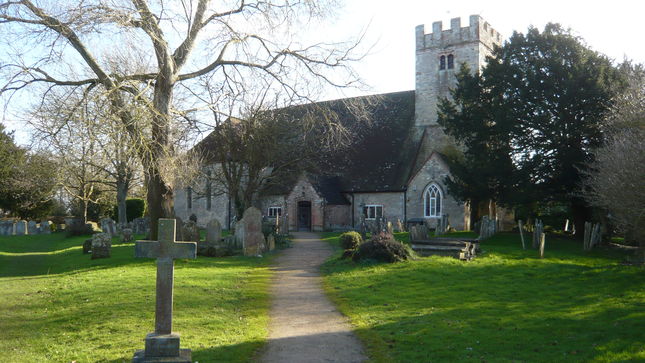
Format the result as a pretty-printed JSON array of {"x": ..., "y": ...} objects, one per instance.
[
  {"x": 507, "y": 305},
  {"x": 481, "y": 333}
]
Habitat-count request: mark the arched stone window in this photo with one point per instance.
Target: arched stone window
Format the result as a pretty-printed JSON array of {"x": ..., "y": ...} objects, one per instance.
[
  {"x": 451, "y": 61},
  {"x": 432, "y": 202},
  {"x": 442, "y": 62}
]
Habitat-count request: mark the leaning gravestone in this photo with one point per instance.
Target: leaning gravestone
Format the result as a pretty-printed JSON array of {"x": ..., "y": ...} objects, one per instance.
[
  {"x": 253, "y": 238},
  {"x": 108, "y": 226},
  {"x": 32, "y": 227},
  {"x": 101, "y": 245},
  {"x": 45, "y": 227},
  {"x": 21, "y": 228},
  {"x": 163, "y": 344}
]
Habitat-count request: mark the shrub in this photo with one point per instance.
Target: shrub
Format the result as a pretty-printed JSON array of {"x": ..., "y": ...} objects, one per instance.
[
  {"x": 350, "y": 240},
  {"x": 268, "y": 227},
  {"x": 382, "y": 248},
  {"x": 282, "y": 241},
  {"x": 134, "y": 208}
]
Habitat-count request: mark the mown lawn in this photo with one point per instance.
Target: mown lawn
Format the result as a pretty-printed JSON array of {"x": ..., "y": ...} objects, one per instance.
[
  {"x": 506, "y": 305},
  {"x": 57, "y": 305}
]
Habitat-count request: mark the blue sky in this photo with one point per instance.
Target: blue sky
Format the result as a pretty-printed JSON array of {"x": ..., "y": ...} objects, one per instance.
[{"x": 613, "y": 28}]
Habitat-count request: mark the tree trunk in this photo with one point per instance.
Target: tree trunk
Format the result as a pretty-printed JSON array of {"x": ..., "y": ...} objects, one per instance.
[
  {"x": 84, "y": 211},
  {"x": 121, "y": 195},
  {"x": 581, "y": 214},
  {"x": 160, "y": 194},
  {"x": 160, "y": 202},
  {"x": 474, "y": 212}
]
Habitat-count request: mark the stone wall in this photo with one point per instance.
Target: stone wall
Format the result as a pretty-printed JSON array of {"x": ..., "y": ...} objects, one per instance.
[
  {"x": 392, "y": 203},
  {"x": 218, "y": 210},
  {"x": 337, "y": 217},
  {"x": 470, "y": 44},
  {"x": 434, "y": 171},
  {"x": 305, "y": 192}
]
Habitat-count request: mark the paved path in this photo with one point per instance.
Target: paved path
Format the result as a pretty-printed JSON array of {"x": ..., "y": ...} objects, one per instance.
[{"x": 305, "y": 326}]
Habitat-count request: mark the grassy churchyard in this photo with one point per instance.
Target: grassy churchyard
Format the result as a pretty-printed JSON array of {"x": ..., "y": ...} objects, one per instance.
[
  {"x": 58, "y": 305},
  {"x": 507, "y": 305}
]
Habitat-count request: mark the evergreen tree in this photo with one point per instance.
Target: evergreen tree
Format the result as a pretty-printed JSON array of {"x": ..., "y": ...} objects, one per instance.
[{"x": 540, "y": 101}]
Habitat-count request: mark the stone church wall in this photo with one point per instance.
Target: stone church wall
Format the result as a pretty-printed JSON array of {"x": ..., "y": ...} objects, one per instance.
[
  {"x": 218, "y": 209},
  {"x": 392, "y": 203},
  {"x": 304, "y": 191},
  {"x": 434, "y": 171},
  {"x": 337, "y": 217}
]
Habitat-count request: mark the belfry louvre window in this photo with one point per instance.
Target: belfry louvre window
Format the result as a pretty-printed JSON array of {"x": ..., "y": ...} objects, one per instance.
[
  {"x": 451, "y": 61},
  {"x": 442, "y": 62},
  {"x": 373, "y": 211},
  {"x": 275, "y": 211},
  {"x": 432, "y": 200}
]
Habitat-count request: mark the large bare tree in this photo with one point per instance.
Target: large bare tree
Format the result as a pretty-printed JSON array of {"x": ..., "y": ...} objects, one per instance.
[
  {"x": 179, "y": 45},
  {"x": 614, "y": 181},
  {"x": 95, "y": 153}
]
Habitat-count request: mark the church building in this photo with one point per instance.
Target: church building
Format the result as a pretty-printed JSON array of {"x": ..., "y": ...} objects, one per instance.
[{"x": 397, "y": 170}]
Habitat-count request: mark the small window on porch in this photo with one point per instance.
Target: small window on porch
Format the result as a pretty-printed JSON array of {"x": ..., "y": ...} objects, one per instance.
[
  {"x": 373, "y": 211},
  {"x": 275, "y": 211}
]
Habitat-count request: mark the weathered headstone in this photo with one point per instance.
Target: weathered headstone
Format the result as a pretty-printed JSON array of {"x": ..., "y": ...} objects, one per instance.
[
  {"x": 253, "y": 239},
  {"x": 542, "y": 241},
  {"x": 190, "y": 232},
  {"x": 108, "y": 226},
  {"x": 6, "y": 228},
  {"x": 32, "y": 227},
  {"x": 271, "y": 242},
  {"x": 126, "y": 235},
  {"x": 45, "y": 227},
  {"x": 213, "y": 232},
  {"x": 21, "y": 228},
  {"x": 141, "y": 225},
  {"x": 163, "y": 344},
  {"x": 390, "y": 228},
  {"x": 101, "y": 245},
  {"x": 87, "y": 246}
]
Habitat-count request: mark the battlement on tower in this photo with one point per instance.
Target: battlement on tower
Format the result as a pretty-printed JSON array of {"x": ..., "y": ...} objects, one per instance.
[{"x": 477, "y": 31}]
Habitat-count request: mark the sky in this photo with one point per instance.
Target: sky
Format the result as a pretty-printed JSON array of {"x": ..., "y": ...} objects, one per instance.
[
  {"x": 610, "y": 27},
  {"x": 614, "y": 28}
]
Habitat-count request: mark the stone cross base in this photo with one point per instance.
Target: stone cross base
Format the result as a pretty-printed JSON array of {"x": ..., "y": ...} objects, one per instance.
[{"x": 162, "y": 348}]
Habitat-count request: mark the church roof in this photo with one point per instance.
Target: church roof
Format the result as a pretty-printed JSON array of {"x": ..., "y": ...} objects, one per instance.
[
  {"x": 381, "y": 158},
  {"x": 383, "y": 154}
]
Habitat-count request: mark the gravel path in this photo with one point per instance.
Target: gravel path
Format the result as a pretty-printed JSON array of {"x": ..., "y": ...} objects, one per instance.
[{"x": 305, "y": 326}]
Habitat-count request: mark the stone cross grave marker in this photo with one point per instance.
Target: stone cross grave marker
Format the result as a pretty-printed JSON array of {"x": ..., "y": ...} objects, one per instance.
[{"x": 163, "y": 344}]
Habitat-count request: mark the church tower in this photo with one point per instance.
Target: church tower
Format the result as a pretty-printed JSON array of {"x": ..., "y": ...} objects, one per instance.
[{"x": 439, "y": 56}]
